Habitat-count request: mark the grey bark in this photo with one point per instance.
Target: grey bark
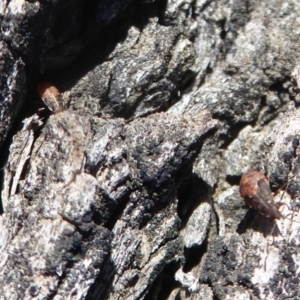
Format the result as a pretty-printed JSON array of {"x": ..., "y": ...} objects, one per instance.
[{"x": 132, "y": 192}]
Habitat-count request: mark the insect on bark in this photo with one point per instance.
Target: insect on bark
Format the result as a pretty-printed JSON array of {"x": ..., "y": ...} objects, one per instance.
[
  {"x": 255, "y": 190},
  {"x": 51, "y": 96}
]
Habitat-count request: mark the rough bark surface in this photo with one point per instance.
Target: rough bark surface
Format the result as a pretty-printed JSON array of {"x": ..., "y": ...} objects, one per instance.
[{"x": 131, "y": 192}]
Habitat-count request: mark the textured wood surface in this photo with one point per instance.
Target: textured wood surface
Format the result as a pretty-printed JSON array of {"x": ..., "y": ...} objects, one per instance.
[{"x": 129, "y": 187}]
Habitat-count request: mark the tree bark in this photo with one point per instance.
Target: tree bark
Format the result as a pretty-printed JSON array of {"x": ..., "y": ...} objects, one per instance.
[{"x": 128, "y": 189}]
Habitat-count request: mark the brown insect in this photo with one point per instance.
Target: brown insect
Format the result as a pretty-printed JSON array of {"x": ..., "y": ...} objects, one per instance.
[
  {"x": 255, "y": 190},
  {"x": 51, "y": 96}
]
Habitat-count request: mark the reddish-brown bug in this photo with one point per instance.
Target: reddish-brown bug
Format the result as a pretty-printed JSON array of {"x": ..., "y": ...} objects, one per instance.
[
  {"x": 255, "y": 190},
  {"x": 51, "y": 96}
]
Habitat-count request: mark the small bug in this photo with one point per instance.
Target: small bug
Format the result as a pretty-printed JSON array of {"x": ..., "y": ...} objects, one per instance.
[
  {"x": 51, "y": 96},
  {"x": 255, "y": 190}
]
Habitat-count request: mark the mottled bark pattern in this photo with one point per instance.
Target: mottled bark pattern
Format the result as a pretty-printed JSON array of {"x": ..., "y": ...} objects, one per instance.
[{"x": 130, "y": 188}]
